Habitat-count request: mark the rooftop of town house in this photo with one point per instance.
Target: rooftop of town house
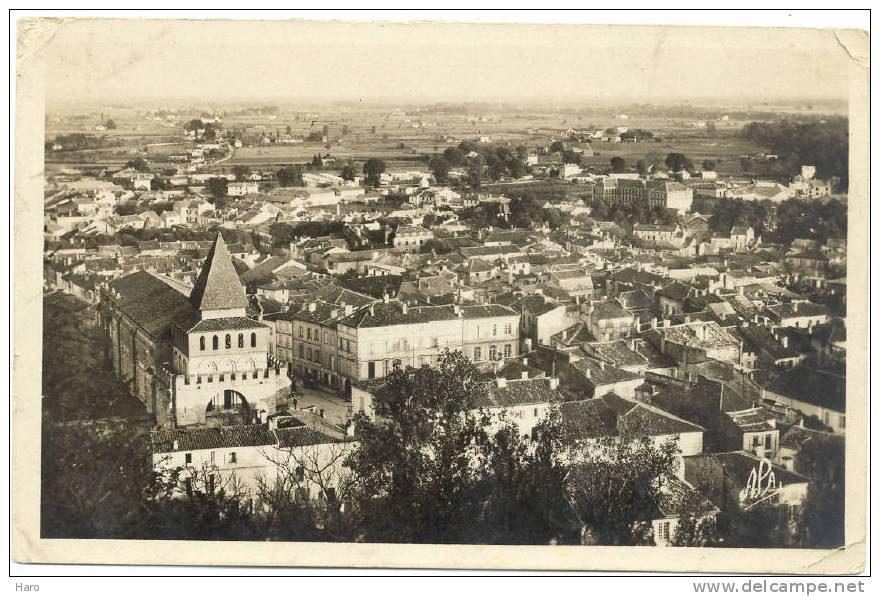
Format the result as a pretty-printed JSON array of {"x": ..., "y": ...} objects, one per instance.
[
  {"x": 700, "y": 335},
  {"x": 753, "y": 420},
  {"x": 607, "y": 310},
  {"x": 520, "y": 392},
  {"x": 600, "y": 373},
  {"x": 611, "y": 414},
  {"x": 789, "y": 310},
  {"x": 812, "y": 386},
  {"x": 619, "y": 353}
]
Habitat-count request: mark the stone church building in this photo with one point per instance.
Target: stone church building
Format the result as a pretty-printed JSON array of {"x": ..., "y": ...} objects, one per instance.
[{"x": 197, "y": 359}]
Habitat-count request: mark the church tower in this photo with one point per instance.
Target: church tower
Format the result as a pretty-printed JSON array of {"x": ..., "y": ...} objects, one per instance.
[
  {"x": 218, "y": 293},
  {"x": 223, "y": 372}
]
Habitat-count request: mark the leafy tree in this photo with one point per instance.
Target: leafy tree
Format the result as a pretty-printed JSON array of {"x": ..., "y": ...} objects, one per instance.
[
  {"x": 709, "y": 165},
  {"x": 764, "y": 525},
  {"x": 241, "y": 172},
  {"x": 162, "y": 206},
  {"x": 466, "y": 147},
  {"x": 96, "y": 477},
  {"x": 615, "y": 482},
  {"x": 216, "y": 187},
  {"x": 517, "y": 168},
  {"x": 696, "y": 523},
  {"x": 78, "y": 379},
  {"x": 288, "y": 130},
  {"x": 440, "y": 169},
  {"x": 291, "y": 175},
  {"x": 139, "y": 163},
  {"x": 348, "y": 171},
  {"x": 195, "y": 124},
  {"x": 126, "y": 208},
  {"x": 821, "y": 520},
  {"x": 678, "y": 162},
  {"x": 110, "y": 124},
  {"x": 618, "y": 164},
  {"x": 557, "y": 147},
  {"x": 282, "y": 233},
  {"x": 570, "y": 156},
  {"x": 159, "y": 183},
  {"x": 455, "y": 156},
  {"x": 373, "y": 169},
  {"x": 524, "y": 489},
  {"x": 475, "y": 172},
  {"x": 642, "y": 167},
  {"x": 495, "y": 167},
  {"x": 417, "y": 469}
]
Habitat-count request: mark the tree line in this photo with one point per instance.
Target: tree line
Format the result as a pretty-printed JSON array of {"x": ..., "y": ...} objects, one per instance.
[
  {"x": 823, "y": 143},
  {"x": 434, "y": 467}
]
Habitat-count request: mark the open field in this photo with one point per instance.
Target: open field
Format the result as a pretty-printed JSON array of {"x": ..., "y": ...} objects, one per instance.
[{"x": 404, "y": 139}]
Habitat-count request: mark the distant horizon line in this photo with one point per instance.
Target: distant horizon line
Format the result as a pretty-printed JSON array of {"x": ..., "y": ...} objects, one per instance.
[{"x": 714, "y": 100}]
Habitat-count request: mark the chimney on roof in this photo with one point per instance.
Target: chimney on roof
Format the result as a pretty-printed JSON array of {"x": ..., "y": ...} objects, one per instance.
[
  {"x": 795, "y": 306},
  {"x": 385, "y": 297},
  {"x": 653, "y": 322},
  {"x": 554, "y": 383},
  {"x": 741, "y": 290},
  {"x": 525, "y": 360},
  {"x": 602, "y": 364},
  {"x": 589, "y": 373},
  {"x": 334, "y": 313},
  {"x": 784, "y": 341},
  {"x": 349, "y": 309},
  {"x": 404, "y": 307},
  {"x": 501, "y": 382},
  {"x": 524, "y": 375},
  {"x": 312, "y": 306},
  {"x": 372, "y": 311},
  {"x": 176, "y": 445}
]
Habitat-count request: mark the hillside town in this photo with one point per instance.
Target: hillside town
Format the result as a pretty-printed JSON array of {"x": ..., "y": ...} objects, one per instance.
[{"x": 261, "y": 316}]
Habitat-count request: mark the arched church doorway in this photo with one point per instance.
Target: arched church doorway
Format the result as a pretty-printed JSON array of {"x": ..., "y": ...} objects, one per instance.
[{"x": 228, "y": 407}]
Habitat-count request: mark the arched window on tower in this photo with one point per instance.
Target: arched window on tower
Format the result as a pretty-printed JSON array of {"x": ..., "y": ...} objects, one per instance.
[
  {"x": 202, "y": 343},
  {"x": 241, "y": 340},
  {"x": 228, "y": 342},
  {"x": 215, "y": 343},
  {"x": 253, "y": 340}
]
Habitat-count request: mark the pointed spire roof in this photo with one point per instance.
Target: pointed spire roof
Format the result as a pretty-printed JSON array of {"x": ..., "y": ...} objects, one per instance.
[{"x": 218, "y": 286}]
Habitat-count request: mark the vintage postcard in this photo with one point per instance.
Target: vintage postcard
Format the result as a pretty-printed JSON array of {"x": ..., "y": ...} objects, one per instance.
[{"x": 436, "y": 295}]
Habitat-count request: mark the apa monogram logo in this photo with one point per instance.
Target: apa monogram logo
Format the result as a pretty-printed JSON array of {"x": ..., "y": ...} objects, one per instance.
[{"x": 761, "y": 484}]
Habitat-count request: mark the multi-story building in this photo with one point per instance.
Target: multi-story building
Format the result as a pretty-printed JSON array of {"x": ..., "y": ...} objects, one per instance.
[
  {"x": 376, "y": 339},
  {"x": 240, "y": 189},
  {"x": 650, "y": 193},
  {"x": 659, "y": 235},
  {"x": 411, "y": 238}
]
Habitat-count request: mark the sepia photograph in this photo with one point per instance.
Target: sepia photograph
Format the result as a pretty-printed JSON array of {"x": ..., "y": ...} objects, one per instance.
[{"x": 373, "y": 294}]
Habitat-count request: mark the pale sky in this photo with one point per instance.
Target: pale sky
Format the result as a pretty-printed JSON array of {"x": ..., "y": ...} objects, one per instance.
[{"x": 115, "y": 60}]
